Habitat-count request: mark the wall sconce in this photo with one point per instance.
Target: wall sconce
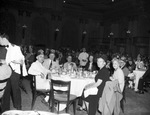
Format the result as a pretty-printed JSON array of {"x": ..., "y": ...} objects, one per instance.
[
  {"x": 83, "y": 36},
  {"x": 23, "y": 31},
  {"x": 128, "y": 31},
  {"x": 111, "y": 34},
  {"x": 129, "y": 36},
  {"x": 56, "y": 34}
]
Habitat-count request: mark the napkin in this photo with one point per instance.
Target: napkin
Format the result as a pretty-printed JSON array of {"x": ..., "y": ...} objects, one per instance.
[{"x": 90, "y": 91}]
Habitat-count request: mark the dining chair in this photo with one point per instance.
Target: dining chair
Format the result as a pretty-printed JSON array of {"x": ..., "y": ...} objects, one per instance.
[
  {"x": 2, "y": 89},
  {"x": 37, "y": 92},
  {"x": 60, "y": 93}
]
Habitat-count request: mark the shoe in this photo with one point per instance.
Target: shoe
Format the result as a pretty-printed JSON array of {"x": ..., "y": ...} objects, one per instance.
[
  {"x": 145, "y": 90},
  {"x": 141, "y": 92},
  {"x": 45, "y": 103},
  {"x": 136, "y": 91},
  {"x": 81, "y": 109}
]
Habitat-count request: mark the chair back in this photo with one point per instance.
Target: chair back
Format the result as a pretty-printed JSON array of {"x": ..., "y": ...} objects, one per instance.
[
  {"x": 2, "y": 86},
  {"x": 40, "y": 83},
  {"x": 34, "y": 85},
  {"x": 60, "y": 88},
  {"x": 37, "y": 92},
  {"x": 34, "y": 82}
]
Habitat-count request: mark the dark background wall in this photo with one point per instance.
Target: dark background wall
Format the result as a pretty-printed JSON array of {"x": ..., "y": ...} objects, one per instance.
[{"x": 54, "y": 24}]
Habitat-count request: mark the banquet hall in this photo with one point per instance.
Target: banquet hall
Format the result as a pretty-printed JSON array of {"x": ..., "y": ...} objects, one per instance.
[{"x": 60, "y": 28}]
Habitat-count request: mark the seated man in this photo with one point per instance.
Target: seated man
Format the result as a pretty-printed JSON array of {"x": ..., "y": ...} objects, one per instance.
[
  {"x": 51, "y": 63},
  {"x": 69, "y": 65},
  {"x": 41, "y": 73},
  {"x": 142, "y": 80}
]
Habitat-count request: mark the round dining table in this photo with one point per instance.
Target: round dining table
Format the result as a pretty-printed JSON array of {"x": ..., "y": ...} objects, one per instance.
[
  {"x": 20, "y": 112},
  {"x": 77, "y": 83}
]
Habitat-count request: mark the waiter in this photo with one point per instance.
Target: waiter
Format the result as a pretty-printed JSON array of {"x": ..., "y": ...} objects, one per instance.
[{"x": 15, "y": 59}]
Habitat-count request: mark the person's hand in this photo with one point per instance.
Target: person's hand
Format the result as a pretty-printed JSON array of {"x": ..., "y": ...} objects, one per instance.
[
  {"x": 88, "y": 86},
  {"x": 42, "y": 75},
  {"x": 111, "y": 78}
]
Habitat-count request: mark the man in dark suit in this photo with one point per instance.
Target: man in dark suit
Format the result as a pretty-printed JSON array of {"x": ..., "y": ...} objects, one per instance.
[
  {"x": 143, "y": 79},
  {"x": 91, "y": 65}
]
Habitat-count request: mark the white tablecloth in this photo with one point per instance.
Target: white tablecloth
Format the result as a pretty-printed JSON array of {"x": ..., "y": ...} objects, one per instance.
[
  {"x": 19, "y": 112},
  {"x": 77, "y": 84},
  {"x": 138, "y": 75}
]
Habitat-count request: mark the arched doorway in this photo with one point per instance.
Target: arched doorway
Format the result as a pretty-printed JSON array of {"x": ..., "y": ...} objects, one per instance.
[
  {"x": 8, "y": 25},
  {"x": 40, "y": 32},
  {"x": 70, "y": 34}
]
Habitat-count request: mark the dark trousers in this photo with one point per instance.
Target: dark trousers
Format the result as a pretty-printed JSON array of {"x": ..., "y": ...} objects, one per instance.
[
  {"x": 93, "y": 104},
  {"x": 12, "y": 90},
  {"x": 93, "y": 101},
  {"x": 144, "y": 79}
]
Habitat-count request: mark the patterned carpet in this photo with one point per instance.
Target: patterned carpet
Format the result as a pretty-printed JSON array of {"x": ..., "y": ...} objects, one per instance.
[{"x": 136, "y": 104}]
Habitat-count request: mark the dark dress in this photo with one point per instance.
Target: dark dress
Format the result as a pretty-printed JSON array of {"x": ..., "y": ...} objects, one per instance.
[{"x": 103, "y": 74}]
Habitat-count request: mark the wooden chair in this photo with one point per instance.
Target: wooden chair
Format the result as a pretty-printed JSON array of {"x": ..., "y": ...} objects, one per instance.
[
  {"x": 2, "y": 89},
  {"x": 37, "y": 92},
  {"x": 60, "y": 93}
]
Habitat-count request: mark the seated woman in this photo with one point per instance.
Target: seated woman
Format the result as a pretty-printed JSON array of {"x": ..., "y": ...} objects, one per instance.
[
  {"x": 139, "y": 63},
  {"x": 91, "y": 65},
  {"x": 41, "y": 73},
  {"x": 118, "y": 74},
  {"x": 100, "y": 80},
  {"x": 69, "y": 65}
]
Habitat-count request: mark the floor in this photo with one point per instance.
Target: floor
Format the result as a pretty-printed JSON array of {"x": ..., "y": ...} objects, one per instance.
[{"x": 136, "y": 104}]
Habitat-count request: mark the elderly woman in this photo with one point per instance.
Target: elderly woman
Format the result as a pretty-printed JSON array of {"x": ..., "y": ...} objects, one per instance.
[
  {"x": 69, "y": 65},
  {"x": 118, "y": 74},
  {"x": 100, "y": 80}
]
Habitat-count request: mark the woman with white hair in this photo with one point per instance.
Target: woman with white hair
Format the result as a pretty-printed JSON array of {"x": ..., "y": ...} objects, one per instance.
[{"x": 118, "y": 74}]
